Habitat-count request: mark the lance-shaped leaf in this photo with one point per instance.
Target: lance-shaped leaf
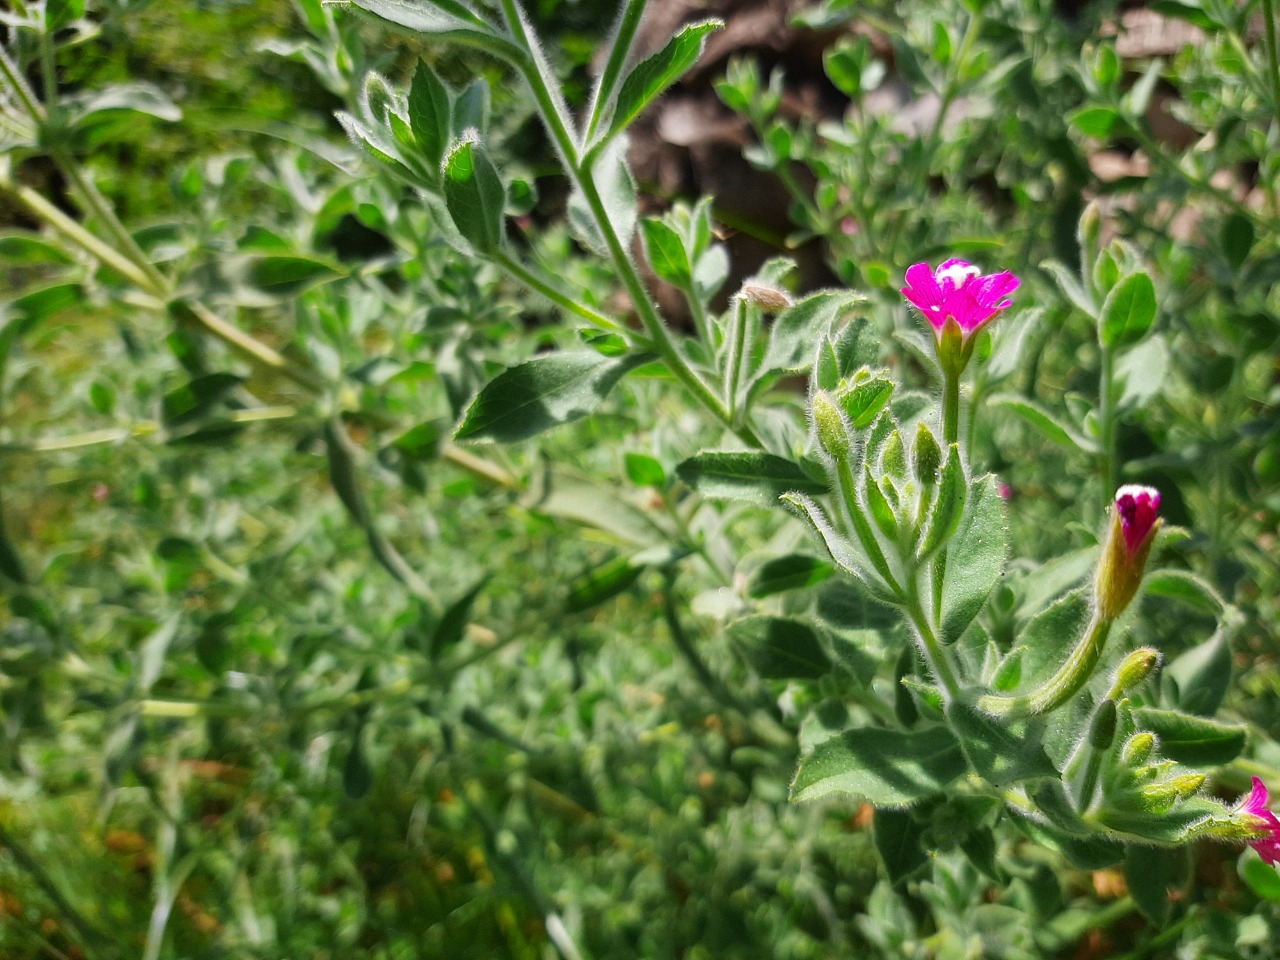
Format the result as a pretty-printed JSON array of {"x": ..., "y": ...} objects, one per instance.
[
  {"x": 452, "y": 625},
  {"x": 665, "y": 250},
  {"x": 1049, "y": 425},
  {"x": 975, "y": 558},
  {"x": 1128, "y": 312},
  {"x": 1150, "y": 873},
  {"x": 430, "y": 105},
  {"x": 441, "y": 18},
  {"x": 543, "y": 393},
  {"x": 1194, "y": 740},
  {"x": 796, "y": 328},
  {"x": 887, "y": 768},
  {"x": 948, "y": 508},
  {"x": 1200, "y": 676},
  {"x": 793, "y": 571},
  {"x": 780, "y": 649},
  {"x": 602, "y": 583},
  {"x": 862, "y": 403},
  {"x": 898, "y": 840},
  {"x": 759, "y": 478},
  {"x": 842, "y": 551},
  {"x": 474, "y": 194},
  {"x": 1000, "y": 753},
  {"x": 651, "y": 77}
]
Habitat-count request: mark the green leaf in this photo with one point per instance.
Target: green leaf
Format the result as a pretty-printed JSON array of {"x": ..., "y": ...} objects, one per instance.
[
  {"x": 1048, "y": 424},
  {"x": 1262, "y": 878},
  {"x": 27, "y": 249},
  {"x": 474, "y": 194},
  {"x": 357, "y": 773},
  {"x": 793, "y": 571},
  {"x": 651, "y": 77},
  {"x": 1150, "y": 872},
  {"x": 1186, "y": 587},
  {"x": 887, "y": 768},
  {"x": 758, "y": 478},
  {"x": 1128, "y": 312},
  {"x": 645, "y": 471},
  {"x": 196, "y": 400},
  {"x": 1047, "y": 640},
  {"x": 287, "y": 276},
  {"x": 453, "y": 621},
  {"x": 999, "y": 752},
  {"x": 1096, "y": 122},
  {"x": 1237, "y": 239},
  {"x": 797, "y": 328},
  {"x": 665, "y": 250},
  {"x": 152, "y": 653},
  {"x": 780, "y": 649},
  {"x": 863, "y": 403},
  {"x": 603, "y": 583},
  {"x": 1193, "y": 740},
  {"x": 429, "y": 112},
  {"x": 181, "y": 558},
  {"x": 975, "y": 558},
  {"x": 10, "y": 560},
  {"x": 948, "y": 508},
  {"x": 1070, "y": 285},
  {"x": 1202, "y": 675},
  {"x": 437, "y": 17},
  {"x": 542, "y": 393},
  {"x": 1142, "y": 373},
  {"x": 897, "y": 837}
]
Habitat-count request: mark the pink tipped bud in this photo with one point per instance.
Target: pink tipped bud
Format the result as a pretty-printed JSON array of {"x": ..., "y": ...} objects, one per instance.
[{"x": 1134, "y": 524}]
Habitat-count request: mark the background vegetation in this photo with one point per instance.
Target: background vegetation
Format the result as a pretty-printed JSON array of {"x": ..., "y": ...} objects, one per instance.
[{"x": 286, "y": 670}]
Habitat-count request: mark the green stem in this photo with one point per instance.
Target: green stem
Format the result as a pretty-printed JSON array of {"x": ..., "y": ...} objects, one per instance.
[
  {"x": 1063, "y": 685},
  {"x": 1273, "y": 58},
  {"x": 78, "y": 235},
  {"x": 934, "y": 655},
  {"x": 18, "y": 83},
  {"x": 536, "y": 282},
  {"x": 737, "y": 349},
  {"x": 628, "y": 23},
  {"x": 951, "y": 407},
  {"x": 1107, "y": 424},
  {"x": 557, "y": 126}
]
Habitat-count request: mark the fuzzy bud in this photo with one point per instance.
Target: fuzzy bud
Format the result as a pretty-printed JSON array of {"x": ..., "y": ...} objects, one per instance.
[
  {"x": 768, "y": 299},
  {"x": 894, "y": 459},
  {"x": 1102, "y": 730},
  {"x": 1136, "y": 668},
  {"x": 928, "y": 455},
  {"x": 833, "y": 432},
  {"x": 1134, "y": 525},
  {"x": 1137, "y": 749}
]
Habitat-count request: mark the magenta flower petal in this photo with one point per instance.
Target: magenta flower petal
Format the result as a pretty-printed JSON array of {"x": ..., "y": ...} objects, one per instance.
[
  {"x": 1255, "y": 807},
  {"x": 958, "y": 290},
  {"x": 1137, "y": 507}
]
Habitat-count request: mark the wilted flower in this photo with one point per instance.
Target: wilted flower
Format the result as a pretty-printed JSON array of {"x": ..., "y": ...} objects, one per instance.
[
  {"x": 1134, "y": 523},
  {"x": 958, "y": 290},
  {"x": 1255, "y": 809}
]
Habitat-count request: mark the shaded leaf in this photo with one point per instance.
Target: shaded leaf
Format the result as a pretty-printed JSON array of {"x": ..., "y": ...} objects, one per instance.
[
  {"x": 780, "y": 649},
  {"x": 542, "y": 393},
  {"x": 794, "y": 571},
  {"x": 759, "y": 478},
  {"x": 603, "y": 583},
  {"x": 897, "y": 837},
  {"x": 453, "y": 622},
  {"x": 474, "y": 194},
  {"x": 884, "y": 767},
  {"x": 1193, "y": 740},
  {"x": 1128, "y": 312},
  {"x": 429, "y": 112},
  {"x": 975, "y": 558}
]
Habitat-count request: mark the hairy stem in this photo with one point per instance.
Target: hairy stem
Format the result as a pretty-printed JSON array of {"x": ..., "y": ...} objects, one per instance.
[{"x": 1063, "y": 685}]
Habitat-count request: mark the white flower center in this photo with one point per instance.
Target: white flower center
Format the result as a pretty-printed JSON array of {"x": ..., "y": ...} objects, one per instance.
[{"x": 956, "y": 274}]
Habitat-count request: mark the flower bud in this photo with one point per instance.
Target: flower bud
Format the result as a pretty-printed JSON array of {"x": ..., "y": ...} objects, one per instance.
[
  {"x": 1134, "y": 524},
  {"x": 1159, "y": 797},
  {"x": 1102, "y": 730},
  {"x": 928, "y": 455},
  {"x": 1090, "y": 227},
  {"x": 1137, "y": 749},
  {"x": 769, "y": 299},
  {"x": 833, "y": 433},
  {"x": 894, "y": 459},
  {"x": 1134, "y": 671}
]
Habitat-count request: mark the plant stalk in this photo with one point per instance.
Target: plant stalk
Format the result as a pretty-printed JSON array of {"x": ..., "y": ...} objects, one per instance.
[{"x": 1063, "y": 685}]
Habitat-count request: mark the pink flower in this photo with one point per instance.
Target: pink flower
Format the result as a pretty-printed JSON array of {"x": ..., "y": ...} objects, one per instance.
[
  {"x": 959, "y": 290},
  {"x": 1255, "y": 807},
  {"x": 1137, "y": 507},
  {"x": 1133, "y": 528}
]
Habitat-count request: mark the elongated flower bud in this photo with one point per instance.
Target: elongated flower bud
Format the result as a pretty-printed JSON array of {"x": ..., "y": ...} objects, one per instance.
[
  {"x": 1134, "y": 671},
  {"x": 1134, "y": 524},
  {"x": 833, "y": 432},
  {"x": 1137, "y": 749}
]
